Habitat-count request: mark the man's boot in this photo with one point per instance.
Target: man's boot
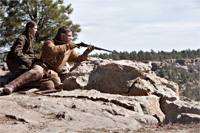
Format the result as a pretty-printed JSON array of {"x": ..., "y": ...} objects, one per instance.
[{"x": 24, "y": 78}]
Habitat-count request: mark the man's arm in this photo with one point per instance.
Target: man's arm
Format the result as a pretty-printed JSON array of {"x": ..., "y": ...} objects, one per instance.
[
  {"x": 51, "y": 48},
  {"x": 75, "y": 57}
]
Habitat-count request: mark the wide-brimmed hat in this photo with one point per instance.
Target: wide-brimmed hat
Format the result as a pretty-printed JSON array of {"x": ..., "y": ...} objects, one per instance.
[{"x": 47, "y": 87}]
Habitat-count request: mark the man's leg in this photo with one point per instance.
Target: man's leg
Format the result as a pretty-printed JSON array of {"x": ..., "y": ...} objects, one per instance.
[{"x": 35, "y": 73}]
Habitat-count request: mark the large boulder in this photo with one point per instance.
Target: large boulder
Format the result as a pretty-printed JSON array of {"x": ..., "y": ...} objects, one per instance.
[{"x": 123, "y": 77}]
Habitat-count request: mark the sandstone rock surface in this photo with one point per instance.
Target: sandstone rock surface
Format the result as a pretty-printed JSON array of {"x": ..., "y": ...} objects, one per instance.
[{"x": 78, "y": 110}]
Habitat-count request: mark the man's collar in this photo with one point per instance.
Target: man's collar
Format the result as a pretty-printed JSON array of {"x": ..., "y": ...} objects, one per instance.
[{"x": 59, "y": 42}]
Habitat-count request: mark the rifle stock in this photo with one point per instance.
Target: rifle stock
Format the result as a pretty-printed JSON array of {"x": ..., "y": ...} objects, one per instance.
[{"x": 97, "y": 48}]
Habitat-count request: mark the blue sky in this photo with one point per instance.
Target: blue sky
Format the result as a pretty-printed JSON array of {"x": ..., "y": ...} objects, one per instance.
[{"x": 134, "y": 25}]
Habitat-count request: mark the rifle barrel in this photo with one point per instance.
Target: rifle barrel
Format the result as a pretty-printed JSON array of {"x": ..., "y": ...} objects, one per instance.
[{"x": 86, "y": 45}]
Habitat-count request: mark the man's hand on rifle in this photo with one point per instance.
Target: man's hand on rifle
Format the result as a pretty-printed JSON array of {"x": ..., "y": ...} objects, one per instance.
[{"x": 89, "y": 50}]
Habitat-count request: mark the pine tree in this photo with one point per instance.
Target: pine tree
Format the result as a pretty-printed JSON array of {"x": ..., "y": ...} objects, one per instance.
[{"x": 48, "y": 14}]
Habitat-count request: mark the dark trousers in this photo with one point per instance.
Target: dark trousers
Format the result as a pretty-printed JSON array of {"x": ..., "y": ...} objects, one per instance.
[{"x": 5, "y": 79}]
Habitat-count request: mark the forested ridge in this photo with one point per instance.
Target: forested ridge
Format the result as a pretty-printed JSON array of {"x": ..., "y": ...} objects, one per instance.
[{"x": 153, "y": 56}]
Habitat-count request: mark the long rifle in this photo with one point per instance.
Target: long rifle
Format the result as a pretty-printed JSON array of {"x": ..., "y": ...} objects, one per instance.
[{"x": 82, "y": 44}]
